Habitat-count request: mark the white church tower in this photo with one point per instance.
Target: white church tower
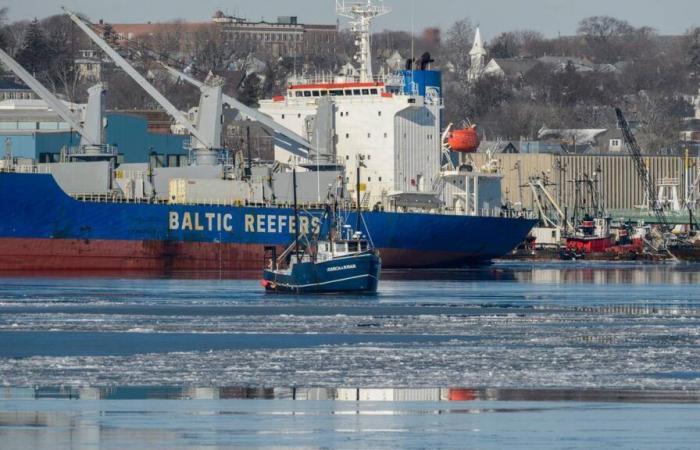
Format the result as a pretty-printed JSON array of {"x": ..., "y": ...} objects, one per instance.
[{"x": 478, "y": 57}]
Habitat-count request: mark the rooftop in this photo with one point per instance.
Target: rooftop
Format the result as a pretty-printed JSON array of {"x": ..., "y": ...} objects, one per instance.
[{"x": 9, "y": 84}]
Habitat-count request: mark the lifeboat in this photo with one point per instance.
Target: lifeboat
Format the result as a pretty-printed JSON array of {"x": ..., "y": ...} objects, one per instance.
[{"x": 465, "y": 140}]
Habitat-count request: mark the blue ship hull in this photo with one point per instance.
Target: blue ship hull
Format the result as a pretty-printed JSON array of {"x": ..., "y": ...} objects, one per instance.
[
  {"x": 42, "y": 228},
  {"x": 352, "y": 274}
]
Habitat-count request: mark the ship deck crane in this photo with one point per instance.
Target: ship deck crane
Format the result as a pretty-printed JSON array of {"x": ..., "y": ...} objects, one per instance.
[
  {"x": 207, "y": 134},
  {"x": 90, "y": 129},
  {"x": 280, "y": 130}
]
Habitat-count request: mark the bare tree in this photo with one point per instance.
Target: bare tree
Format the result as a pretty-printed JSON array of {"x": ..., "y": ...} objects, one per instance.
[
  {"x": 692, "y": 51},
  {"x": 610, "y": 40},
  {"x": 505, "y": 45},
  {"x": 661, "y": 117},
  {"x": 458, "y": 43}
]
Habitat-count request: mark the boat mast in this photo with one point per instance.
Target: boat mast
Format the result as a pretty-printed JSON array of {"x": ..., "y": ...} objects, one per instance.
[
  {"x": 296, "y": 213},
  {"x": 357, "y": 188}
]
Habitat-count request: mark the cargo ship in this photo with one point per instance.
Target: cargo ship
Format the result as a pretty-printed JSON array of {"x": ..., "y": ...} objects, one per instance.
[
  {"x": 220, "y": 211},
  {"x": 43, "y": 228}
]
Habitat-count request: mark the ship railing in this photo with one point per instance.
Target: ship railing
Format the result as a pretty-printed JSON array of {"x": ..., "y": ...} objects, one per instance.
[
  {"x": 25, "y": 168},
  {"x": 104, "y": 149},
  {"x": 332, "y": 79}
]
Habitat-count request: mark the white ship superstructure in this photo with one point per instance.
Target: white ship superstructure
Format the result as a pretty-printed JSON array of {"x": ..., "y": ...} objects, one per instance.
[
  {"x": 391, "y": 123},
  {"x": 397, "y": 134}
]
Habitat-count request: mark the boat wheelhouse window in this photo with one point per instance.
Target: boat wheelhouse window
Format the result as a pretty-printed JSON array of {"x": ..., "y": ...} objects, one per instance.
[
  {"x": 307, "y": 93},
  {"x": 348, "y": 91},
  {"x": 373, "y": 91},
  {"x": 336, "y": 92},
  {"x": 352, "y": 246},
  {"x": 365, "y": 91},
  {"x": 299, "y": 94},
  {"x": 315, "y": 93},
  {"x": 324, "y": 93},
  {"x": 356, "y": 92}
]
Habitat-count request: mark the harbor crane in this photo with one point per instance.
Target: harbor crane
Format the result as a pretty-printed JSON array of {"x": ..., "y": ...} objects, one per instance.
[{"x": 642, "y": 171}]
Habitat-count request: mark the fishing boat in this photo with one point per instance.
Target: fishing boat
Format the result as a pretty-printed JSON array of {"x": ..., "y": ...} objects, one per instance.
[{"x": 337, "y": 259}]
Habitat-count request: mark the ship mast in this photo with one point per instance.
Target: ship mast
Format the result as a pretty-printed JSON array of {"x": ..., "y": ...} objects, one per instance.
[{"x": 361, "y": 15}]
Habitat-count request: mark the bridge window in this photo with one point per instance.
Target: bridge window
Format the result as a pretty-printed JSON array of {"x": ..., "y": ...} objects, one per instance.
[
  {"x": 299, "y": 94},
  {"x": 315, "y": 93},
  {"x": 373, "y": 91},
  {"x": 348, "y": 91},
  {"x": 365, "y": 91},
  {"x": 356, "y": 92},
  {"x": 307, "y": 93}
]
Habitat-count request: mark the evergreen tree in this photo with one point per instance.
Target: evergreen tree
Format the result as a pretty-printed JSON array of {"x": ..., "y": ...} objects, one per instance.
[
  {"x": 250, "y": 91},
  {"x": 34, "y": 55},
  {"x": 109, "y": 35}
]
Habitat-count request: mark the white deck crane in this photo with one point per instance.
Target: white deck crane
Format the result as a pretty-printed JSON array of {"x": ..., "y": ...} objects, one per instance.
[
  {"x": 297, "y": 143},
  {"x": 90, "y": 127},
  {"x": 206, "y": 134}
]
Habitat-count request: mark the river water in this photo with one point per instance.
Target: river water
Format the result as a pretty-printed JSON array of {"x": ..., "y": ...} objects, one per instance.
[{"x": 547, "y": 355}]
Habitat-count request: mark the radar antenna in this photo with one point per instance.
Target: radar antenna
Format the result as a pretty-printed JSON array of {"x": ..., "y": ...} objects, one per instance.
[{"x": 361, "y": 15}]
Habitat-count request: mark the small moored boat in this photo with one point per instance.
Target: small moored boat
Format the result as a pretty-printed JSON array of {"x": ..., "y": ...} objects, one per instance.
[{"x": 343, "y": 260}]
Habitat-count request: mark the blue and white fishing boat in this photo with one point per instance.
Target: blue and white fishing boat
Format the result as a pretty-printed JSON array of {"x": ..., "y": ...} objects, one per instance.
[{"x": 338, "y": 261}]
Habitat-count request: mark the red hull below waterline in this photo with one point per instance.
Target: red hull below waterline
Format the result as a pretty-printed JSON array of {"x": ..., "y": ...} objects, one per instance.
[{"x": 18, "y": 255}]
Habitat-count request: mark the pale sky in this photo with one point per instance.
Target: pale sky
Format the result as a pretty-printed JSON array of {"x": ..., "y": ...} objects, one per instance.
[{"x": 551, "y": 17}]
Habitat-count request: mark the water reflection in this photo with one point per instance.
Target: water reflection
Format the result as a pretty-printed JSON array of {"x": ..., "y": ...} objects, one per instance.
[{"x": 349, "y": 394}]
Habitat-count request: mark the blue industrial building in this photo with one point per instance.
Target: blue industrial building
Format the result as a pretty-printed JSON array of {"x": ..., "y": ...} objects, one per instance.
[{"x": 128, "y": 133}]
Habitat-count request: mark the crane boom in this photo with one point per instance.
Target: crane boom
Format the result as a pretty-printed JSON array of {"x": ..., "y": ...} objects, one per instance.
[
  {"x": 136, "y": 76},
  {"x": 57, "y": 105},
  {"x": 252, "y": 113},
  {"x": 642, "y": 170}
]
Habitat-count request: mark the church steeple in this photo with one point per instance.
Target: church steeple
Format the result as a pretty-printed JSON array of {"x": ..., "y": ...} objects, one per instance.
[{"x": 478, "y": 56}]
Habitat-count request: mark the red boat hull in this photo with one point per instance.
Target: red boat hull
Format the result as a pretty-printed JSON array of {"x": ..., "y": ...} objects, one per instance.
[{"x": 17, "y": 254}]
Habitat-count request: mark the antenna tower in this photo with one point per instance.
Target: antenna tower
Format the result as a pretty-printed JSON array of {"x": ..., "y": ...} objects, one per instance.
[{"x": 361, "y": 15}]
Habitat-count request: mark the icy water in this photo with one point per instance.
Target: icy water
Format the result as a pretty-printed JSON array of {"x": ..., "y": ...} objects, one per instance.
[{"x": 571, "y": 355}]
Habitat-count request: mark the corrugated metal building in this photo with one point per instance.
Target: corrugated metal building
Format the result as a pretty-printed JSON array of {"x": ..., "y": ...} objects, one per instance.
[
  {"x": 619, "y": 184},
  {"x": 44, "y": 137}
]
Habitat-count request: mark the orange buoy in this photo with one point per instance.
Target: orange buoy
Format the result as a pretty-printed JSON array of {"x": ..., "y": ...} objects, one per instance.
[{"x": 465, "y": 140}]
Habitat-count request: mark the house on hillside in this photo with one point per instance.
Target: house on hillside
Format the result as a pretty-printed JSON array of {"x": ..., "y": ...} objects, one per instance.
[
  {"x": 560, "y": 63},
  {"x": 510, "y": 68},
  {"x": 582, "y": 141},
  {"x": 10, "y": 89}
]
